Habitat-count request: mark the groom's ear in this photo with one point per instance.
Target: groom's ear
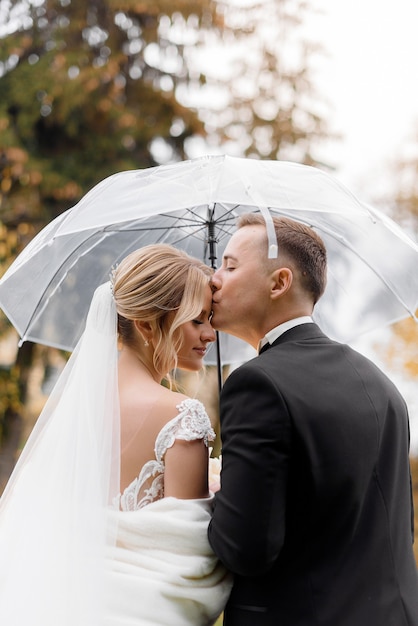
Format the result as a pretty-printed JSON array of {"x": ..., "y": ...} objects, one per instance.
[{"x": 281, "y": 281}]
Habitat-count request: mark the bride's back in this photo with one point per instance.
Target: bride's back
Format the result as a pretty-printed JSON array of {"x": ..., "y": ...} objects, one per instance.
[{"x": 146, "y": 407}]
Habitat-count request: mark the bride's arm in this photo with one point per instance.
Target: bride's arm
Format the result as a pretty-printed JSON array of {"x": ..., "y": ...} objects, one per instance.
[{"x": 186, "y": 470}]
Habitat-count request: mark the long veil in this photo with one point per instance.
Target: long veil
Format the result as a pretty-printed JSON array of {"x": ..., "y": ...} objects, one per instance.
[{"x": 54, "y": 527}]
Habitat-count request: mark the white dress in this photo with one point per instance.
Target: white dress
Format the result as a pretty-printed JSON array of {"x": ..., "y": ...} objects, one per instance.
[{"x": 162, "y": 570}]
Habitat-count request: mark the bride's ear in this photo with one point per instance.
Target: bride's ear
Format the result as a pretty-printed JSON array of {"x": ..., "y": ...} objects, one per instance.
[
  {"x": 144, "y": 329},
  {"x": 281, "y": 281}
]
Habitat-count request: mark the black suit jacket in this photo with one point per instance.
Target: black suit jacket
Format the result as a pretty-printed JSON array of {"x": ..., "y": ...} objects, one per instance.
[{"x": 315, "y": 512}]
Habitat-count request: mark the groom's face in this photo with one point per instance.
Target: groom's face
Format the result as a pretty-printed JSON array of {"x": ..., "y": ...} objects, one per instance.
[{"x": 241, "y": 286}]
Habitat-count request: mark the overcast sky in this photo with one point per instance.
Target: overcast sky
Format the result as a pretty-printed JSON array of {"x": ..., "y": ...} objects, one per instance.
[{"x": 370, "y": 78}]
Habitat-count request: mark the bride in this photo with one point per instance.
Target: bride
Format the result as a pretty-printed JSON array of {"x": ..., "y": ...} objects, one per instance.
[{"x": 104, "y": 519}]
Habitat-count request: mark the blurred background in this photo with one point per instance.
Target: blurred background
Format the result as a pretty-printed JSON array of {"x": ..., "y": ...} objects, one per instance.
[{"x": 92, "y": 87}]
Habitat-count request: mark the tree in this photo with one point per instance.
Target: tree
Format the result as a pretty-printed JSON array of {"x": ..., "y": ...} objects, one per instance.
[
  {"x": 271, "y": 109},
  {"x": 82, "y": 95},
  {"x": 92, "y": 87},
  {"x": 88, "y": 88},
  {"x": 403, "y": 350},
  {"x": 405, "y": 201}
]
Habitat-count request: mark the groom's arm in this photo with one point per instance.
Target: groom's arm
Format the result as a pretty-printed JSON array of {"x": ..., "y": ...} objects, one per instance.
[{"x": 248, "y": 524}]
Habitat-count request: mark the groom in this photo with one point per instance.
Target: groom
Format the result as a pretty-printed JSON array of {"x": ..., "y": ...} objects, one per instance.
[{"x": 314, "y": 516}]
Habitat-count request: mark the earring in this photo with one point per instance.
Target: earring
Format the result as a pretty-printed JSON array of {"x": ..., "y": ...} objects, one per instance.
[{"x": 146, "y": 343}]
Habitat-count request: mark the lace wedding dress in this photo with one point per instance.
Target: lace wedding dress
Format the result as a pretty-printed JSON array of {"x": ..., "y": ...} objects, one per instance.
[{"x": 162, "y": 570}]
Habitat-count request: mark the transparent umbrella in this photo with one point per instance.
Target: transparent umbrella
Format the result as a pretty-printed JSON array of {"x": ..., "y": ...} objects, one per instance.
[{"x": 193, "y": 205}]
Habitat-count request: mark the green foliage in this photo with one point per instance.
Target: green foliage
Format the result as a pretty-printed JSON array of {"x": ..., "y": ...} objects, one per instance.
[
  {"x": 88, "y": 86},
  {"x": 79, "y": 99}
]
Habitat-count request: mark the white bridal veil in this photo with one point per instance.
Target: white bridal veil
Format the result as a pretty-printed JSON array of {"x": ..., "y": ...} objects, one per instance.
[{"x": 54, "y": 531}]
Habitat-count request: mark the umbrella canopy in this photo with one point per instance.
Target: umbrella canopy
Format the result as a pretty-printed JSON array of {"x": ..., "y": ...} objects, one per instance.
[{"x": 193, "y": 205}]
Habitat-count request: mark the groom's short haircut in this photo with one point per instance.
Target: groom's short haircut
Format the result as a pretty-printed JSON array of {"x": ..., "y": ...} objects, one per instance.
[{"x": 301, "y": 245}]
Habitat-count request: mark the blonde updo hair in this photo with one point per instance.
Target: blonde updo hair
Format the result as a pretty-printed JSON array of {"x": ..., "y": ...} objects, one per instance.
[{"x": 165, "y": 287}]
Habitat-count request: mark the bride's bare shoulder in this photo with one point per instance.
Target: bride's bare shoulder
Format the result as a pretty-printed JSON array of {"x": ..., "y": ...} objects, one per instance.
[
  {"x": 155, "y": 404},
  {"x": 169, "y": 402}
]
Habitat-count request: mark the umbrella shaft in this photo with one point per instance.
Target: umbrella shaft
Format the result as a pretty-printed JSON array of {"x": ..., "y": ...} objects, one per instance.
[{"x": 212, "y": 241}]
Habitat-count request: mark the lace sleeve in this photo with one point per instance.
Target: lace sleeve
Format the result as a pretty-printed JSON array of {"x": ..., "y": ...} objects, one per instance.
[{"x": 190, "y": 424}]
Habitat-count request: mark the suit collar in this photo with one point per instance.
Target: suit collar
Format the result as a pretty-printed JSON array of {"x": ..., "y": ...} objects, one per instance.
[
  {"x": 277, "y": 331},
  {"x": 299, "y": 332}
]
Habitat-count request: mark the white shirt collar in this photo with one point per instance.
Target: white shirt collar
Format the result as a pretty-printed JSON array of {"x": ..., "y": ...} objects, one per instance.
[{"x": 275, "y": 333}]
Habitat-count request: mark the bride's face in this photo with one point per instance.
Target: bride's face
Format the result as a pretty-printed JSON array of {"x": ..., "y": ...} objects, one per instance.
[{"x": 196, "y": 335}]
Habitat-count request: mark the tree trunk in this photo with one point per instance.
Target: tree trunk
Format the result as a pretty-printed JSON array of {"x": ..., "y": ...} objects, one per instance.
[
  {"x": 13, "y": 420},
  {"x": 13, "y": 428}
]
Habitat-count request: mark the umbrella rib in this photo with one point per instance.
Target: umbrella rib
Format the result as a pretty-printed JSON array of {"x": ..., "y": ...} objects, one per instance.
[
  {"x": 114, "y": 229},
  {"x": 186, "y": 223}
]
